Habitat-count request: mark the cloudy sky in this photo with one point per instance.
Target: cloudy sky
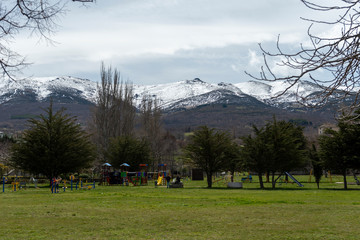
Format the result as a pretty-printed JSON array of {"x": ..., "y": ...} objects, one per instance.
[{"x": 162, "y": 41}]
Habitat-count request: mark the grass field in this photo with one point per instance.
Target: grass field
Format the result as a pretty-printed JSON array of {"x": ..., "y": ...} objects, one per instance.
[{"x": 195, "y": 212}]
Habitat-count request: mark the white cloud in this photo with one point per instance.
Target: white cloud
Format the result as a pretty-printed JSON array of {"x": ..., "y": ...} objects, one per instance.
[
  {"x": 127, "y": 32},
  {"x": 254, "y": 60}
]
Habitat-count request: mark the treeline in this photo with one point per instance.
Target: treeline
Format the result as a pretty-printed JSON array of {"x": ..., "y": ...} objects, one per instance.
[{"x": 278, "y": 147}]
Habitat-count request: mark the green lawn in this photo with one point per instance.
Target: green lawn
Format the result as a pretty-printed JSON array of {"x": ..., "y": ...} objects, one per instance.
[{"x": 115, "y": 212}]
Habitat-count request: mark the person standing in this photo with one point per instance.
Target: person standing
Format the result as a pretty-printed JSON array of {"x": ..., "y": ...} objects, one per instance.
[{"x": 168, "y": 178}]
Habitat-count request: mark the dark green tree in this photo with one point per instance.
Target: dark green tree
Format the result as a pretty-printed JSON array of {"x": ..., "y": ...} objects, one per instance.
[
  {"x": 233, "y": 161},
  {"x": 54, "y": 144},
  {"x": 277, "y": 147},
  {"x": 127, "y": 149},
  {"x": 286, "y": 147},
  {"x": 339, "y": 149},
  {"x": 316, "y": 164},
  {"x": 207, "y": 149},
  {"x": 254, "y": 154}
]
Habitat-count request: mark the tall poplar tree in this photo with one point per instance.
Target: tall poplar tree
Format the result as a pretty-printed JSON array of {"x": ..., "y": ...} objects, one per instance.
[{"x": 114, "y": 113}]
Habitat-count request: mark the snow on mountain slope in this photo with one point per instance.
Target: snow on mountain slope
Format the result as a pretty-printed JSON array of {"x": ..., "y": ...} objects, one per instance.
[
  {"x": 169, "y": 94},
  {"x": 43, "y": 87},
  {"x": 256, "y": 89},
  {"x": 265, "y": 91},
  {"x": 182, "y": 94}
]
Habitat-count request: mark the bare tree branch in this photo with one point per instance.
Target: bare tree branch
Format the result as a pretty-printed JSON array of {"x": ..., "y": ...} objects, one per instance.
[
  {"x": 114, "y": 114},
  {"x": 338, "y": 55},
  {"x": 37, "y": 16}
]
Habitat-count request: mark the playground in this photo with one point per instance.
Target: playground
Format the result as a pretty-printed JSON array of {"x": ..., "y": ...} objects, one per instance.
[{"x": 192, "y": 212}]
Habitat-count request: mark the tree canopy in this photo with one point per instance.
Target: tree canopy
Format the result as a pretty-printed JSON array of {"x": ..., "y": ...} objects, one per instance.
[
  {"x": 277, "y": 147},
  {"x": 339, "y": 149},
  {"x": 129, "y": 150},
  {"x": 254, "y": 153},
  {"x": 208, "y": 148},
  {"x": 54, "y": 144}
]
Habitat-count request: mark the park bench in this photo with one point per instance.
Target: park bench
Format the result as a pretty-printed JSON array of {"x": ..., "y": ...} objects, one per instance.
[{"x": 177, "y": 185}]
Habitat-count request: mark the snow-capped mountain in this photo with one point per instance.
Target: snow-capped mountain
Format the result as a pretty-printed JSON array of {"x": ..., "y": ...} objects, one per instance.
[
  {"x": 182, "y": 94},
  {"x": 39, "y": 89},
  {"x": 274, "y": 93},
  {"x": 185, "y": 94}
]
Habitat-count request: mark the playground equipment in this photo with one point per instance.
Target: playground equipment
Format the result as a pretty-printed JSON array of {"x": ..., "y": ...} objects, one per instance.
[
  {"x": 106, "y": 173},
  {"x": 124, "y": 168},
  {"x": 72, "y": 178},
  {"x": 294, "y": 179},
  {"x": 87, "y": 185},
  {"x": 139, "y": 178},
  {"x": 4, "y": 180},
  {"x": 15, "y": 186},
  {"x": 55, "y": 184},
  {"x": 143, "y": 174},
  {"x": 356, "y": 179},
  {"x": 160, "y": 180},
  {"x": 225, "y": 179},
  {"x": 79, "y": 184},
  {"x": 161, "y": 174},
  {"x": 248, "y": 178}
]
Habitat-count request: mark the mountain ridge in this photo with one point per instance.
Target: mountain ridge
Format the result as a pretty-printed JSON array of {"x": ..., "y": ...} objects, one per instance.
[
  {"x": 182, "y": 94},
  {"x": 185, "y": 104}
]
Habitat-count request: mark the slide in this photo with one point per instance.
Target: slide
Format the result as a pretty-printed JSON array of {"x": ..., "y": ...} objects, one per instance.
[
  {"x": 159, "y": 180},
  {"x": 292, "y": 178}
]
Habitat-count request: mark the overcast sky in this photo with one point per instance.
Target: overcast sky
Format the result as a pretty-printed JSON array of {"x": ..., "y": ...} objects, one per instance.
[{"x": 162, "y": 41}]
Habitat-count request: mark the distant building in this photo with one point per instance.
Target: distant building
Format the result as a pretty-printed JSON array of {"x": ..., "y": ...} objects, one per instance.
[{"x": 325, "y": 126}]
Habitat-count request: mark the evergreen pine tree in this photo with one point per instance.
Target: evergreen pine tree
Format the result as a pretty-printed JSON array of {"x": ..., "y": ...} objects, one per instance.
[
  {"x": 316, "y": 164},
  {"x": 277, "y": 147},
  {"x": 339, "y": 150},
  {"x": 129, "y": 150},
  {"x": 254, "y": 154},
  {"x": 207, "y": 149},
  {"x": 54, "y": 144}
]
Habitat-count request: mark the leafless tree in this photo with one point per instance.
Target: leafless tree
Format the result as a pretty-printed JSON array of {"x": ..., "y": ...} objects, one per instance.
[
  {"x": 37, "y": 16},
  {"x": 114, "y": 114},
  {"x": 337, "y": 55},
  {"x": 5, "y": 149},
  {"x": 151, "y": 129}
]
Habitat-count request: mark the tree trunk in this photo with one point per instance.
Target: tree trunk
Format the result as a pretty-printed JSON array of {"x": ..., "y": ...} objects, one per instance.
[
  {"x": 318, "y": 184},
  {"x": 273, "y": 183},
  {"x": 209, "y": 179},
  {"x": 232, "y": 176},
  {"x": 267, "y": 177},
  {"x": 261, "y": 181},
  {"x": 345, "y": 182}
]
